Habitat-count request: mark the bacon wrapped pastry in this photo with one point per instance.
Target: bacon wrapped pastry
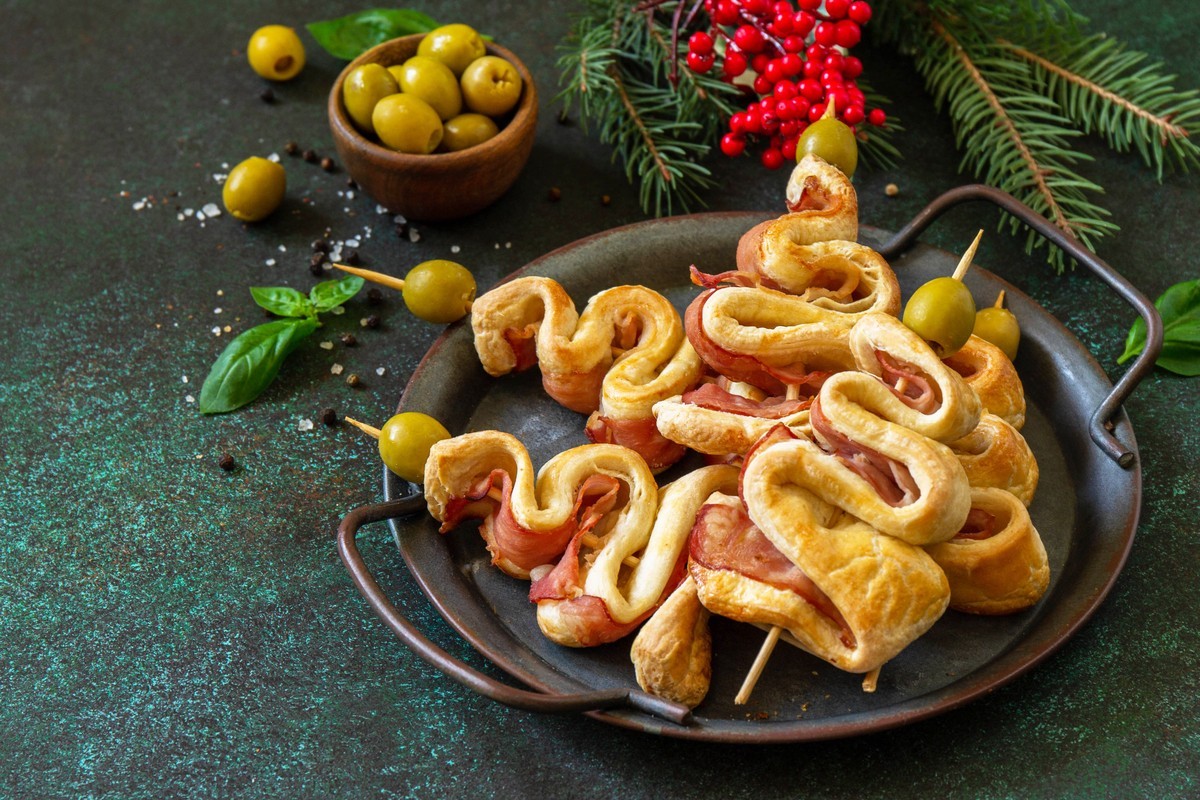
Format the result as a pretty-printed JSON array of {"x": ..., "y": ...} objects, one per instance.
[
  {"x": 997, "y": 563},
  {"x": 993, "y": 377},
  {"x": 626, "y": 351},
  {"x": 526, "y": 522},
  {"x": 600, "y": 591},
  {"x": 672, "y": 653}
]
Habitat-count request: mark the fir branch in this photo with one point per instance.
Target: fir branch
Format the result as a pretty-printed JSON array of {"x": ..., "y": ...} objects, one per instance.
[{"x": 1105, "y": 88}]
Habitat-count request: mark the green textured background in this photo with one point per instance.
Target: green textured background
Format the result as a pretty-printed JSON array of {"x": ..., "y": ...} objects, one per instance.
[{"x": 167, "y": 628}]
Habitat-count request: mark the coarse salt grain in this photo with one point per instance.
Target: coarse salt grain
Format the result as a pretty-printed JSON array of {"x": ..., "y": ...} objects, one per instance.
[
  {"x": 380, "y": 371},
  {"x": 414, "y": 235},
  {"x": 305, "y": 425},
  {"x": 380, "y": 209},
  {"x": 217, "y": 310},
  {"x": 211, "y": 210},
  {"x": 326, "y": 345},
  {"x": 283, "y": 248},
  {"x": 227, "y": 329},
  {"x": 454, "y": 248},
  {"x": 352, "y": 243},
  {"x": 216, "y": 330},
  {"x": 189, "y": 398},
  {"x": 270, "y": 262},
  {"x": 185, "y": 378},
  {"x": 336, "y": 369},
  {"x": 273, "y": 157}
]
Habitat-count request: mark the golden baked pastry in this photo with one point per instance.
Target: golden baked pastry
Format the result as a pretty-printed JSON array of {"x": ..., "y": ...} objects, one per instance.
[
  {"x": 993, "y": 377},
  {"x": 846, "y": 593},
  {"x": 996, "y": 455},
  {"x": 626, "y": 351},
  {"x": 672, "y": 653},
  {"x": 602, "y": 589},
  {"x": 997, "y": 564},
  {"x": 528, "y": 522}
]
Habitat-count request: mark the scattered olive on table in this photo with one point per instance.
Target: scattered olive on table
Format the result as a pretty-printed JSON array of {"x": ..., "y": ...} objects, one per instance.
[
  {"x": 275, "y": 52},
  {"x": 254, "y": 189}
]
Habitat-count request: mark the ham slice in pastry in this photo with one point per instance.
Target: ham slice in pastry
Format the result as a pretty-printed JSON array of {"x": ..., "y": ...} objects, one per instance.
[
  {"x": 997, "y": 564},
  {"x": 600, "y": 592},
  {"x": 626, "y": 351},
  {"x": 993, "y": 377},
  {"x": 529, "y": 522}
]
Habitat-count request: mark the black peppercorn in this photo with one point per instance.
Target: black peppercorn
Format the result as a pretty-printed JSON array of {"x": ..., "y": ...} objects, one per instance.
[
  {"x": 373, "y": 321},
  {"x": 291, "y": 148},
  {"x": 329, "y": 417},
  {"x": 267, "y": 95},
  {"x": 353, "y": 380},
  {"x": 320, "y": 246},
  {"x": 374, "y": 296},
  {"x": 348, "y": 339},
  {"x": 310, "y": 156},
  {"x": 327, "y": 164},
  {"x": 350, "y": 257},
  {"x": 226, "y": 462},
  {"x": 555, "y": 194}
]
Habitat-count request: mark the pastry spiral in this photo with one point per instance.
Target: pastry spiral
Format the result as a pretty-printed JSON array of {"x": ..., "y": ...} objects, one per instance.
[
  {"x": 996, "y": 455},
  {"x": 993, "y": 377}
]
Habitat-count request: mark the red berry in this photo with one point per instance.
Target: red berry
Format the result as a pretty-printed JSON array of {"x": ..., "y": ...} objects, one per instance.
[
  {"x": 749, "y": 38},
  {"x": 774, "y": 71},
  {"x": 835, "y": 61},
  {"x": 700, "y": 63},
  {"x": 735, "y": 63},
  {"x": 802, "y": 23},
  {"x": 799, "y": 108},
  {"x": 725, "y": 12},
  {"x": 793, "y": 64},
  {"x": 756, "y": 7},
  {"x": 759, "y": 62},
  {"x": 810, "y": 89},
  {"x": 816, "y": 53},
  {"x": 826, "y": 34},
  {"x": 810, "y": 5},
  {"x": 811, "y": 69},
  {"x": 788, "y": 127},
  {"x": 732, "y": 145},
  {"x": 772, "y": 158},
  {"x": 793, "y": 44},
  {"x": 838, "y": 98},
  {"x": 782, "y": 7},
  {"x": 737, "y": 122},
  {"x": 781, "y": 25},
  {"x": 784, "y": 89},
  {"x": 860, "y": 12},
  {"x": 877, "y": 116},
  {"x": 852, "y": 115},
  {"x": 836, "y": 9},
  {"x": 848, "y": 33},
  {"x": 700, "y": 42},
  {"x": 851, "y": 67},
  {"x": 788, "y": 150},
  {"x": 831, "y": 78},
  {"x": 816, "y": 112},
  {"x": 753, "y": 122},
  {"x": 762, "y": 85}
]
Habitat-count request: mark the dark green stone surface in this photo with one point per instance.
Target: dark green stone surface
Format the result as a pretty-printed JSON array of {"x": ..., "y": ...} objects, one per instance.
[{"x": 168, "y": 628}]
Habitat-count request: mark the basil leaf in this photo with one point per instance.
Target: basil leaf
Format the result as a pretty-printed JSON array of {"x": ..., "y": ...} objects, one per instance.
[
  {"x": 1179, "y": 307},
  {"x": 282, "y": 300},
  {"x": 328, "y": 295},
  {"x": 350, "y": 36},
  {"x": 250, "y": 362}
]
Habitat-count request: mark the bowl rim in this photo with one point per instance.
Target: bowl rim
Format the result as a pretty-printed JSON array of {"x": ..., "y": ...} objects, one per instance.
[{"x": 523, "y": 120}]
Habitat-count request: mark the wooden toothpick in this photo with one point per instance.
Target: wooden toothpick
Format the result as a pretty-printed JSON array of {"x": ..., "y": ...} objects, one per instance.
[
  {"x": 760, "y": 662},
  {"x": 965, "y": 262},
  {"x": 374, "y": 277},
  {"x": 375, "y": 433}
]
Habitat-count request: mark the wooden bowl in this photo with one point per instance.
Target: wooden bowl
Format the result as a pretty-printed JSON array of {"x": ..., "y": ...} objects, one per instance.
[{"x": 438, "y": 186}]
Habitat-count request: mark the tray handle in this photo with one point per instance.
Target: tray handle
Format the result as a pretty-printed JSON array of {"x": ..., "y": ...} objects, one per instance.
[
  {"x": 1100, "y": 426},
  {"x": 456, "y": 669}
]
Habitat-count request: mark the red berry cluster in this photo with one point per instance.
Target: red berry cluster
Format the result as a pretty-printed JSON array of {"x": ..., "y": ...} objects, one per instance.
[{"x": 799, "y": 55}]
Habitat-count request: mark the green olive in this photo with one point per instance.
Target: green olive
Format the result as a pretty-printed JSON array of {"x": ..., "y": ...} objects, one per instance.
[
  {"x": 363, "y": 88},
  {"x": 407, "y": 123},
  {"x": 254, "y": 189},
  {"x": 405, "y": 440},
  {"x": 433, "y": 82},
  {"x": 999, "y": 326},
  {"x": 455, "y": 45},
  {"x": 942, "y": 312},
  {"x": 467, "y": 130},
  {"x": 831, "y": 140},
  {"x": 276, "y": 53},
  {"x": 491, "y": 85},
  {"x": 439, "y": 290}
]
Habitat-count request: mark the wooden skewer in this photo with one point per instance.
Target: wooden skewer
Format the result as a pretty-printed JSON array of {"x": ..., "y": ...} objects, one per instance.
[
  {"x": 965, "y": 262},
  {"x": 999, "y": 300},
  {"x": 768, "y": 645},
  {"x": 760, "y": 662},
  {"x": 380, "y": 278},
  {"x": 374, "y": 433},
  {"x": 588, "y": 539},
  {"x": 871, "y": 680}
]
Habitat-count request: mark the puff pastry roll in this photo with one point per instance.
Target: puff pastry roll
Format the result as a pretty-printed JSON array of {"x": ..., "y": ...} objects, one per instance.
[
  {"x": 672, "y": 653},
  {"x": 993, "y": 377},
  {"x": 600, "y": 591},
  {"x": 997, "y": 564},
  {"x": 529, "y": 521},
  {"x": 626, "y": 351},
  {"x": 996, "y": 455},
  {"x": 846, "y": 593}
]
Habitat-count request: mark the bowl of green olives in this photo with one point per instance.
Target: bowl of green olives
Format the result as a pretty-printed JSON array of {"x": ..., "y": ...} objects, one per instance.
[{"x": 434, "y": 126}]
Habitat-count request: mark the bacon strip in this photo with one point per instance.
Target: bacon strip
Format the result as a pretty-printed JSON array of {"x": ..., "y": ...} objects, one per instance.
[
  {"x": 745, "y": 278},
  {"x": 741, "y": 366},
  {"x": 724, "y": 538},
  {"x": 888, "y": 477},
  {"x": 526, "y": 548},
  {"x": 639, "y": 435},
  {"x": 715, "y": 398},
  {"x": 812, "y": 197},
  {"x": 909, "y": 384},
  {"x": 980, "y": 525}
]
